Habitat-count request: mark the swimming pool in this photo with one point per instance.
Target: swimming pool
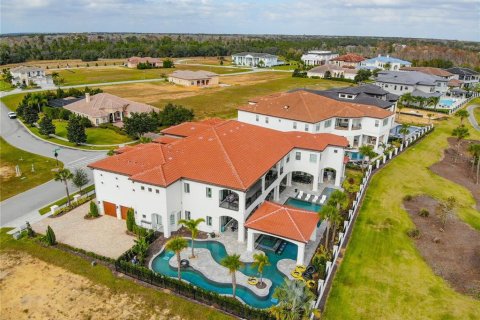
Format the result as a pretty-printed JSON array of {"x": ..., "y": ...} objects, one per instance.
[
  {"x": 446, "y": 102},
  {"x": 160, "y": 264},
  {"x": 303, "y": 204},
  {"x": 354, "y": 156}
]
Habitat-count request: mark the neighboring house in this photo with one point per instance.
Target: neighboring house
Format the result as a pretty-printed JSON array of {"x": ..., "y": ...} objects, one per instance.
[
  {"x": 332, "y": 71},
  {"x": 221, "y": 173},
  {"x": 368, "y": 94},
  {"x": 431, "y": 71},
  {"x": 194, "y": 78},
  {"x": 23, "y": 75},
  {"x": 254, "y": 59},
  {"x": 349, "y": 60},
  {"x": 469, "y": 77},
  {"x": 317, "y": 57},
  {"x": 305, "y": 111},
  {"x": 134, "y": 61},
  {"x": 381, "y": 62},
  {"x": 414, "y": 82},
  {"x": 107, "y": 108}
]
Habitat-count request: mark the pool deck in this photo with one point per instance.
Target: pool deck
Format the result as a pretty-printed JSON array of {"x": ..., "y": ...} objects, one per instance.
[{"x": 289, "y": 192}]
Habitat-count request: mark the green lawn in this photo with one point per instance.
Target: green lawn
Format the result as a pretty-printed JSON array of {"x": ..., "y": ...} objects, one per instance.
[
  {"x": 5, "y": 86},
  {"x": 114, "y": 74},
  {"x": 62, "y": 201},
  {"x": 13, "y": 100},
  {"x": 101, "y": 275},
  {"x": 94, "y": 135},
  {"x": 382, "y": 275},
  {"x": 10, "y": 157},
  {"x": 476, "y": 112}
]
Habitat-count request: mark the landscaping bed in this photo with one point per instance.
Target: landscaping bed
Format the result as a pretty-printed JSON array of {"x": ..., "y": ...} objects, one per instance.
[
  {"x": 461, "y": 171},
  {"x": 452, "y": 252}
]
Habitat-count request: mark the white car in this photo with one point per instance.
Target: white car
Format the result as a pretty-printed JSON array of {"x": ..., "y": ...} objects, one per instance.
[{"x": 12, "y": 115}]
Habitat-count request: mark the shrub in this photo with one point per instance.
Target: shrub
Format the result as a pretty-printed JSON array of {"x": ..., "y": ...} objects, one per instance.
[
  {"x": 413, "y": 233},
  {"x": 64, "y": 114},
  {"x": 86, "y": 122},
  {"x": 110, "y": 152},
  {"x": 50, "y": 237},
  {"x": 407, "y": 198},
  {"x": 424, "y": 213},
  {"x": 93, "y": 210},
  {"x": 130, "y": 220},
  {"x": 30, "y": 231}
]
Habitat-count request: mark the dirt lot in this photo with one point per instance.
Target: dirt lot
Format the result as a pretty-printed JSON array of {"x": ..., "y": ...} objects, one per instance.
[
  {"x": 461, "y": 171},
  {"x": 453, "y": 254},
  {"x": 33, "y": 289}
]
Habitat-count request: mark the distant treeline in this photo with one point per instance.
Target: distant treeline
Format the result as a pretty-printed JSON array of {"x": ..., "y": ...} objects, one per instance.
[{"x": 91, "y": 47}]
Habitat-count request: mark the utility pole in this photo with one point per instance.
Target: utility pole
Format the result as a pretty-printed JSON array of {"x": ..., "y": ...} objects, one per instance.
[{"x": 55, "y": 153}]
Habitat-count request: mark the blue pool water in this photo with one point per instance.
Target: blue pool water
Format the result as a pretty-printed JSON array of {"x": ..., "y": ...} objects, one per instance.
[
  {"x": 160, "y": 265},
  {"x": 354, "y": 156},
  {"x": 303, "y": 204},
  {"x": 446, "y": 102}
]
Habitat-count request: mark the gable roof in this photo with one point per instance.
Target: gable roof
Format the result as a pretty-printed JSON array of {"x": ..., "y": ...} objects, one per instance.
[
  {"x": 25, "y": 69},
  {"x": 349, "y": 57},
  {"x": 462, "y": 71},
  {"x": 193, "y": 75},
  {"x": 429, "y": 70},
  {"x": 231, "y": 154},
  {"x": 306, "y": 106},
  {"x": 189, "y": 128},
  {"x": 284, "y": 221},
  {"x": 387, "y": 59},
  {"x": 102, "y": 104},
  {"x": 408, "y": 78}
]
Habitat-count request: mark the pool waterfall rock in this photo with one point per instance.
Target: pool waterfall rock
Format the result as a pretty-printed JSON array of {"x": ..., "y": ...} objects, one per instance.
[{"x": 205, "y": 264}]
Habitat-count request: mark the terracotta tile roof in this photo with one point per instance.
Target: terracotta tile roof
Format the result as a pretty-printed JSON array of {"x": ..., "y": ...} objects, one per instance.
[
  {"x": 102, "y": 104},
  {"x": 284, "y": 221},
  {"x": 165, "y": 140},
  {"x": 189, "y": 128},
  {"x": 349, "y": 57},
  {"x": 429, "y": 70},
  {"x": 455, "y": 83},
  {"x": 231, "y": 154},
  {"x": 308, "y": 107}
]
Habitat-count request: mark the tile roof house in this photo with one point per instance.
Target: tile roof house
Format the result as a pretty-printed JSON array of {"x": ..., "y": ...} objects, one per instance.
[
  {"x": 381, "y": 62},
  {"x": 107, "y": 108},
  {"x": 332, "y": 71},
  {"x": 414, "y": 82},
  {"x": 194, "y": 78},
  {"x": 469, "y": 77},
  {"x": 134, "y": 61},
  {"x": 317, "y": 57},
  {"x": 309, "y": 111},
  {"x": 431, "y": 71},
  {"x": 350, "y": 60},
  {"x": 255, "y": 59}
]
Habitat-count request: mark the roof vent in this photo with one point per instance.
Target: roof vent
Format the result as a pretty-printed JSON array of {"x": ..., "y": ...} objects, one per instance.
[{"x": 286, "y": 107}]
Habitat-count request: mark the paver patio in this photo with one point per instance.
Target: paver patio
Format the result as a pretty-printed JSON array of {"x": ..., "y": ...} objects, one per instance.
[{"x": 105, "y": 235}]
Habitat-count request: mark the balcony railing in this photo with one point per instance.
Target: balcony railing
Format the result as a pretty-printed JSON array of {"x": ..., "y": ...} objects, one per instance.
[
  {"x": 229, "y": 205},
  {"x": 357, "y": 127},
  {"x": 341, "y": 127},
  {"x": 270, "y": 179},
  {"x": 253, "y": 197}
]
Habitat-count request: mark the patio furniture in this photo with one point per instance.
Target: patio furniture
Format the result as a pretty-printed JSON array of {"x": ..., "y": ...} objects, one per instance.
[
  {"x": 308, "y": 197},
  {"x": 315, "y": 199},
  {"x": 184, "y": 263},
  {"x": 322, "y": 200},
  {"x": 252, "y": 281},
  {"x": 300, "y": 195}
]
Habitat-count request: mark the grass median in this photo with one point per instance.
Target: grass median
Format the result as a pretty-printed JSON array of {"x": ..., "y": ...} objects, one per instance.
[{"x": 63, "y": 201}]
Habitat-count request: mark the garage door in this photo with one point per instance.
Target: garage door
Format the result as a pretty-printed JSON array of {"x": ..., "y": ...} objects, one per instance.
[
  {"x": 109, "y": 209},
  {"x": 124, "y": 212}
]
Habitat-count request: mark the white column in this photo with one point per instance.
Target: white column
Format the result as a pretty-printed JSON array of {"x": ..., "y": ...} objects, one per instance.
[
  {"x": 263, "y": 184},
  {"x": 119, "y": 212},
  {"x": 289, "y": 179},
  {"x": 241, "y": 232},
  {"x": 276, "y": 193},
  {"x": 315, "y": 183},
  {"x": 300, "y": 253},
  {"x": 250, "y": 240},
  {"x": 166, "y": 227}
]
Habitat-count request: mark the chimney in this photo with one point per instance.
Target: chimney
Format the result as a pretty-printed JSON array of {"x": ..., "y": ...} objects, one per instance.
[{"x": 87, "y": 96}]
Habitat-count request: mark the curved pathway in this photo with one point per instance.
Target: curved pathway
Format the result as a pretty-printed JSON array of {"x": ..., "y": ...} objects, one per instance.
[{"x": 471, "y": 116}]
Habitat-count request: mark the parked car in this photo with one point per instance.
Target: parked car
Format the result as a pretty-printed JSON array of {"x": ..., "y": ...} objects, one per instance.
[{"x": 12, "y": 115}]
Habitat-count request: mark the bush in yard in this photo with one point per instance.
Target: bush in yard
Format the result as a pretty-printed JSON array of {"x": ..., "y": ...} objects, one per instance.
[
  {"x": 130, "y": 220},
  {"x": 424, "y": 213},
  {"x": 167, "y": 63},
  {"x": 46, "y": 126},
  {"x": 50, "y": 237},
  {"x": 30, "y": 231},
  {"x": 30, "y": 114},
  {"x": 76, "y": 130},
  {"x": 407, "y": 198},
  {"x": 64, "y": 114},
  {"x": 110, "y": 152},
  {"x": 86, "y": 122},
  {"x": 413, "y": 233},
  {"x": 174, "y": 114},
  {"x": 93, "y": 210},
  {"x": 139, "y": 123}
]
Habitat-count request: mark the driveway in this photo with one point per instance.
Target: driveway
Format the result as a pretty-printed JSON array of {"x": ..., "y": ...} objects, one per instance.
[
  {"x": 105, "y": 235},
  {"x": 471, "y": 116}
]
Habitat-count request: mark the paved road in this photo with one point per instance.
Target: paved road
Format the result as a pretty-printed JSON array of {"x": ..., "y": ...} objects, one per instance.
[
  {"x": 14, "y": 211},
  {"x": 471, "y": 116}
]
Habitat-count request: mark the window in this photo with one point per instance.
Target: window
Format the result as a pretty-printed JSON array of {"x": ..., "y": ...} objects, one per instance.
[
  {"x": 149, "y": 189},
  {"x": 142, "y": 188},
  {"x": 266, "y": 119},
  {"x": 377, "y": 123},
  {"x": 209, "y": 221},
  {"x": 188, "y": 215},
  {"x": 294, "y": 125},
  {"x": 313, "y": 158},
  {"x": 172, "y": 219},
  {"x": 257, "y": 117},
  {"x": 385, "y": 122},
  {"x": 317, "y": 127},
  {"x": 306, "y": 127},
  {"x": 298, "y": 155},
  {"x": 335, "y": 151},
  {"x": 209, "y": 192},
  {"x": 395, "y": 88},
  {"x": 157, "y": 191},
  {"x": 288, "y": 157},
  {"x": 328, "y": 123},
  {"x": 186, "y": 188}
]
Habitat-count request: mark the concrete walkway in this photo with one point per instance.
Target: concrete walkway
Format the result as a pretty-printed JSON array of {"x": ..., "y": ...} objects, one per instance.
[{"x": 471, "y": 116}]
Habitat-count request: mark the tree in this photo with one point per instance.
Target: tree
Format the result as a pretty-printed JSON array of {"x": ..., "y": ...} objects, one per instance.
[
  {"x": 37, "y": 99},
  {"x": 367, "y": 152},
  {"x": 93, "y": 209},
  {"x": 76, "y": 130},
  {"x": 326, "y": 213},
  {"x": 260, "y": 261},
  {"x": 433, "y": 101},
  {"x": 362, "y": 75},
  {"x": 404, "y": 130},
  {"x": 177, "y": 244},
  {"x": 446, "y": 209},
  {"x": 29, "y": 114},
  {"x": 232, "y": 263},
  {"x": 192, "y": 225},
  {"x": 406, "y": 99},
  {"x": 295, "y": 301},
  {"x": 46, "y": 126},
  {"x": 130, "y": 221},
  {"x": 168, "y": 63},
  {"x": 462, "y": 114},
  {"x": 387, "y": 66},
  {"x": 327, "y": 75},
  {"x": 174, "y": 114},
  {"x": 474, "y": 150},
  {"x": 64, "y": 175},
  {"x": 50, "y": 238},
  {"x": 430, "y": 117},
  {"x": 140, "y": 248},
  {"x": 138, "y": 124},
  {"x": 460, "y": 132},
  {"x": 80, "y": 178}
]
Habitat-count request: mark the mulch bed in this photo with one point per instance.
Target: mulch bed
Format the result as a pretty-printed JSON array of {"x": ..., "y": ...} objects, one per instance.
[
  {"x": 459, "y": 172},
  {"x": 454, "y": 253}
]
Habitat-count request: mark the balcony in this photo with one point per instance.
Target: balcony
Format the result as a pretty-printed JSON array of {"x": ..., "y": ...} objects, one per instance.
[
  {"x": 356, "y": 127},
  {"x": 228, "y": 200},
  {"x": 251, "y": 199},
  {"x": 341, "y": 127},
  {"x": 270, "y": 178}
]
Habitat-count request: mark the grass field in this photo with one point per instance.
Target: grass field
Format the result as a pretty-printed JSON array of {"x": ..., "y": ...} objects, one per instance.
[
  {"x": 94, "y": 135},
  {"x": 476, "y": 112},
  {"x": 10, "y": 157},
  {"x": 382, "y": 275},
  {"x": 13, "y": 100},
  {"x": 5, "y": 86},
  {"x": 101, "y": 275},
  {"x": 53, "y": 64}
]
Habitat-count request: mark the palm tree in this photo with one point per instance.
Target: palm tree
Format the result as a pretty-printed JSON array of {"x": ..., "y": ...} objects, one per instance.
[
  {"x": 232, "y": 263},
  {"x": 433, "y": 101},
  {"x": 404, "y": 130},
  {"x": 37, "y": 99},
  {"x": 430, "y": 116},
  {"x": 462, "y": 114},
  {"x": 367, "y": 152},
  {"x": 326, "y": 213},
  {"x": 295, "y": 301},
  {"x": 192, "y": 225},
  {"x": 339, "y": 199},
  {"x": 64, "y": 175},
  {"x": 474, "y": 149},
  {"x": 336, "y": 219},
  {"x": 420, "y": 100},
  {"x": 260, "y": 260},
  {"x": 461, "y": 132},
  {"x": 177, "y": 244}
]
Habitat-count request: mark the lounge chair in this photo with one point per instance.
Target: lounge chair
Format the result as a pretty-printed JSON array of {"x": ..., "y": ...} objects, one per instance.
[
  {"x": 308, "y": 197},
  {"x": 315, "y": 199},
  {"x": 322, "y": 200},
  {"x": 300, "y": 195}
]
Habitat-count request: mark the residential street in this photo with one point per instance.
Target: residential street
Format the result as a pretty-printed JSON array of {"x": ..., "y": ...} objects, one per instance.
[
  {"x": 471, "y": 116},
  {"x": 14, "y": 211}
]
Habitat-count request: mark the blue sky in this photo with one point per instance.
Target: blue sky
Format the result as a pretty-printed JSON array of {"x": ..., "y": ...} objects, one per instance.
[{"x": 444, "y": 19}]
